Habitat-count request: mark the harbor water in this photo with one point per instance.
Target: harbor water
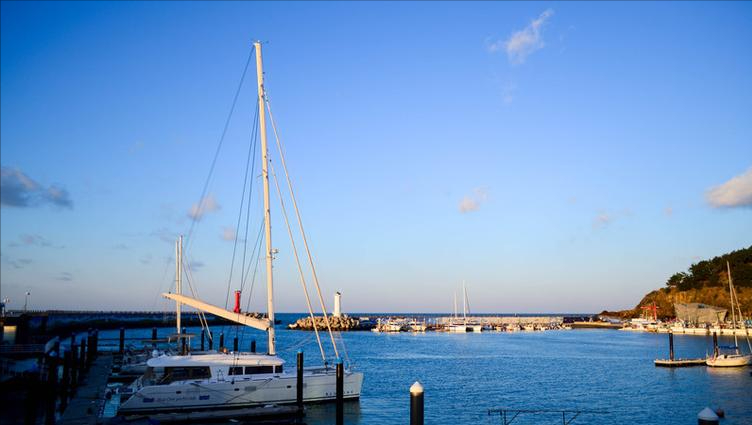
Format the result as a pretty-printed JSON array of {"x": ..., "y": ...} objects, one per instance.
[{"x": 465, "y": 375}]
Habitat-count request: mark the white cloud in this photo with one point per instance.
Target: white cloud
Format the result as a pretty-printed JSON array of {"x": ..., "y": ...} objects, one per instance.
[
  {"x": 207, "y": 205},
  {"x": 736, "y": 192},
  {"x": 228, "y": 233},
  {"x": 602, "y": 220},
  {"x": 472, "y": 202},
  {"x": 525, "y": 41}
]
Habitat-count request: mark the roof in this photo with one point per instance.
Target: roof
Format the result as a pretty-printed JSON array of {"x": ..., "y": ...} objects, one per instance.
[{"x": 218, "y": 359}]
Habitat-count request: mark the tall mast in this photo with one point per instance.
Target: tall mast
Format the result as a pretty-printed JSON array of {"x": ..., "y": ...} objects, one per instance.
[
  {"x": 464, "y": 301},
  {"x": 178, "y": 279},
  {"x": 267, "y": 212},
  {"x": 455, "y": 304},
  {"x": 733, "y": 314}
]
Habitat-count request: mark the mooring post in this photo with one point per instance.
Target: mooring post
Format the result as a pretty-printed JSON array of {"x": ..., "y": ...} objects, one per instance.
[
  {"x": 82, "y": 359},
  {"x": 416, "y": 404},
  {"x": 235, "y": 345},
  {"x": 121, "y": 348},
  {"x": 340, "y": 393},
  {"x": 65, "y": 383},
  {"x": 31, "y": 403},
  {"x": 211, "y": 342},
  {"x": 671, "y": 346},
  {"x": 299, "y": 387},
  {"x": 90, "y": 350},
  {"x": 51, "y": 393},
  {"x": 154, "y": 336},
  {"x": 221, "y": 341},
  {"x": 202, "y": 339},
  {"x": 715, "y": 344},
  {"x": 253, "y": 346},
  {"x": 183, "y": 344},
  {"x": 96, "y": 343},
  {"x": 73, "y": 367}
]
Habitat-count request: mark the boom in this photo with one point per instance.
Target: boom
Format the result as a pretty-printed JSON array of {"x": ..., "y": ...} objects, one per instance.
[{"x": 260, "y": 324}]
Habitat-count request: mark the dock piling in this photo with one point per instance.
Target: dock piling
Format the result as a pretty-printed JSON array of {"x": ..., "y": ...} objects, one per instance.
[
  {"x": 253, "y": 346},
  {"x": 82, "y": 358},
  {"x": 715, "y": 344},
  {"x": 73, "y": 366},
  {"x": 340, "y": 393},
  {"x": 66, "y": 381},
  {"x": 235, "y": 345},
  {"x": 154, "y": 336},
  {"x": 51, "y": 390},
  {"x": 416, "y": 404},
  {"x": 202, "y": 339},
  {"x": 121, "y": 347},
  {"x": 299, "y": 386},
  {"x": 90, "y": 347},
  {"x": 221, "y": 341},
  {"x": 671, "y": 346}
]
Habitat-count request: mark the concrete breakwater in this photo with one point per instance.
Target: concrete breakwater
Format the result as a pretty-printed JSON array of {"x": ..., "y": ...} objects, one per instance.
[{"x": 342, "y": 323}]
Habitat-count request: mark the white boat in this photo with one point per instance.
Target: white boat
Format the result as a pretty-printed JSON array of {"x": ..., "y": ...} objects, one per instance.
[
  {"x": 416, "y": 326},
  {"x": 189, "y": 382},
  {"x": 735, "y": 358}
]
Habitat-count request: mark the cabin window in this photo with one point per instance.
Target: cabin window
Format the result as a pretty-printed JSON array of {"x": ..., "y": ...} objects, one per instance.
[
  {"x": 236, "y": 370},
  {"x": 252, "y": 370},
  {"x": 173, "y": 374},
  {"x": 278, "y": 369}
]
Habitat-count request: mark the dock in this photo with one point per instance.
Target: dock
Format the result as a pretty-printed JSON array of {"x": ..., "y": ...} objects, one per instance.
[
  {"x": 85, "y": 407},
  {"x": 679, "y": 362}
]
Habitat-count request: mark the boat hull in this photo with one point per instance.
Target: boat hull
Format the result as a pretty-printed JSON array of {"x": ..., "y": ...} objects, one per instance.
[
  {"x": 247, "y": 392},
  {"x": 730, "y": 360}
]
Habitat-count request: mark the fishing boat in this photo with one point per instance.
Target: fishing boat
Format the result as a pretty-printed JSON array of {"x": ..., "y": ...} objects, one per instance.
[
  {"x": 230, "y": 379},
  {"x": 733, "y": 357}
]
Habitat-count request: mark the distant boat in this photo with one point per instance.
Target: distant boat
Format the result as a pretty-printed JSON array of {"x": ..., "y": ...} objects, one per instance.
[{"x": 735, "y": 358}]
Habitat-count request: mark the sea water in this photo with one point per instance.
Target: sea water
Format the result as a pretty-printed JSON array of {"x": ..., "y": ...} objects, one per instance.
[{"x": 466, "y": 375}]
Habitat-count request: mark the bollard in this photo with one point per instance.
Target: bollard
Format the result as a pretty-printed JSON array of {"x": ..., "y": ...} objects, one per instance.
[
  {"x": 202, "y": 339},
  {"x": 221, "y": 341},
  {"x": 416, "y": 404},
  {"x": 299, "y": 386},
  {"x": 65, "y": 383},
  {"x": 235, "y": 345},
  {"x": 715, "y": 345},
  {"x": 253, "y": 346},
  {"x": 671, "y": 346},
  {"x": 340, "y": 392},
  {"x": 707, "y": 417},
  {"x": 121, "y": 348}
]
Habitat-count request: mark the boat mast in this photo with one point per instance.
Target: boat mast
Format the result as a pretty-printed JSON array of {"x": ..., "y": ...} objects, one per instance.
[
  {"x": 733, "y": 314},
  {"x": 178, "y": 279},
  {"x": 464, "y": 302},
  {"x": 267, "y": 213},
  {"x": 455, "y": 305}
]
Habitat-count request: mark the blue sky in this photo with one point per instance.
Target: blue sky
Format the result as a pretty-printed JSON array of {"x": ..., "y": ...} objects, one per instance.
[{"x": 558, "y": 157}]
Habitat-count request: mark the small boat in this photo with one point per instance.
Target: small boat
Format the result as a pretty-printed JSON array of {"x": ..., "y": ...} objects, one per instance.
[{"x": 733, "y": 358}]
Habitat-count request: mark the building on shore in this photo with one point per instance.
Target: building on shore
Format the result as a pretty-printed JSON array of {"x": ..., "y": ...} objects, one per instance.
[{"x": 698, "y": 313}]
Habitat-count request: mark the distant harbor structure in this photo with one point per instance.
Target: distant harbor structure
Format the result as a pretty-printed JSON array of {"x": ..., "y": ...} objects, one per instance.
[{"x": 337, "y": 304}]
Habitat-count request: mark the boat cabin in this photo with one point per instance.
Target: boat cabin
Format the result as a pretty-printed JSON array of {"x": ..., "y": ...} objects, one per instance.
[{"x": 164, "y": 370}]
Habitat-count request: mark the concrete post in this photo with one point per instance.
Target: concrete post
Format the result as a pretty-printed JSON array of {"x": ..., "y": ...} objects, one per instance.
[{"x": 340, "y": 393}]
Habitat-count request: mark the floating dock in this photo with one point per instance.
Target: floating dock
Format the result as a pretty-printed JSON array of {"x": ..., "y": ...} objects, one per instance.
[{"x": 679, "y": 362}]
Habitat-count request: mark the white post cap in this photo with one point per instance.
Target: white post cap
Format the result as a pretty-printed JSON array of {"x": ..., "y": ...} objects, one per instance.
[
  {"x": 416, "y": 388},
  {"x": 707, "y": 414}
]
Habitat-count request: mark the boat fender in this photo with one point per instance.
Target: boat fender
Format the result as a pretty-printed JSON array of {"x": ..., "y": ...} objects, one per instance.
[{"x": 720, "y": 413}]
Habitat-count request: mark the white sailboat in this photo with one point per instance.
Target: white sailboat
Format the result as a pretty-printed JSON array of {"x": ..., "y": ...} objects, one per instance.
[
  {"x": 455, "y": 325},
  {"x": 735, "y": 358},
  {"x": 230, "y": 379}
]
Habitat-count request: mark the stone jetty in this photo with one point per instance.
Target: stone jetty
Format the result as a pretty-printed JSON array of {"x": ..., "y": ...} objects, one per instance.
[{"x": 343, "y": 323}]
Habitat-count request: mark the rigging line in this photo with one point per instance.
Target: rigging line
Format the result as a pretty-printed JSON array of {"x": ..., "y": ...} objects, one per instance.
[
  {"x": 251, "y": 148},
  {"x": 248, "y": 217},
  {"x": 219, "y": 145},
  {"x": 257, "y": 250},
  {"x": 302, "y": 232},
  {"x": 297, "y": 261}
]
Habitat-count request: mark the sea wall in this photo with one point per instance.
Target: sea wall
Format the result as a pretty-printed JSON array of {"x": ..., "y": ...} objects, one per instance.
[{"x": 343, "y": 323}]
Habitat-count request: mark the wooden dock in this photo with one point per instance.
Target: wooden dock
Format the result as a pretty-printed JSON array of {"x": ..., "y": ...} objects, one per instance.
[
  {"x": 679, "y": 362},
  {"x": 85, "y": 407}
]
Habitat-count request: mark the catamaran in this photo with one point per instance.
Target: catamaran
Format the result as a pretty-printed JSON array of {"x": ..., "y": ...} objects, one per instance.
[
  {"x": 211, "y": 380},
  {"x": 735, "y": 356}
]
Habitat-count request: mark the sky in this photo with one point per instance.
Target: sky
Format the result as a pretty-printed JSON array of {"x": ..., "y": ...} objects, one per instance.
[{"x": 554, "y": 156}]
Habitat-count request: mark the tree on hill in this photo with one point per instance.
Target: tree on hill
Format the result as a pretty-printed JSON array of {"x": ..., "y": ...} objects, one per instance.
[{"x": 708, "y": 273}]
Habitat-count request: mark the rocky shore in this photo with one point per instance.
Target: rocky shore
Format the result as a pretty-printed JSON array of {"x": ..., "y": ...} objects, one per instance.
[{"x": 343, "y": 323}]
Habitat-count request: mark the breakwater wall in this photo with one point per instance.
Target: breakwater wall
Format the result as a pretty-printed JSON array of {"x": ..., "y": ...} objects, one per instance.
[{"x": 343, "y": 323}]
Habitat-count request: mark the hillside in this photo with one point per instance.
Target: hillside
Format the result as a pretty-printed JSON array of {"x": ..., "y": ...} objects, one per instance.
[{"x": 704, "y": 282}]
